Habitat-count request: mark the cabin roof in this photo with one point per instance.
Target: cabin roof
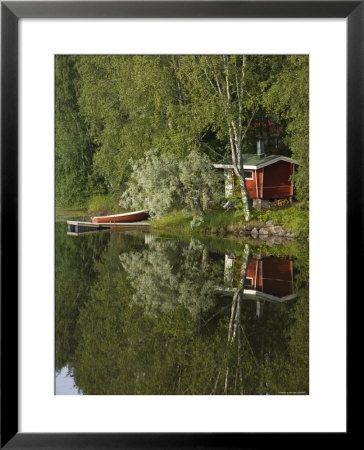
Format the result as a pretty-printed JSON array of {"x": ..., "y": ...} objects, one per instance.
[{"x": 253, "y": 161}]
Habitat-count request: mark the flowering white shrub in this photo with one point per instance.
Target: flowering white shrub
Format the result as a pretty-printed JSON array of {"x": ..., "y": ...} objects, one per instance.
[
  {"x": 154, "y": 185},
  {"x": 160, "y": 184}
]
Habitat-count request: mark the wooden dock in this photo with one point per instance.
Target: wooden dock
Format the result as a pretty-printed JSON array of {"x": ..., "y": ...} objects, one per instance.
[{"x": 77, "y": 226}]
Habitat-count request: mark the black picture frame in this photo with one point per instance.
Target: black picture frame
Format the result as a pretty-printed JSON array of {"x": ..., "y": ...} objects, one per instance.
[{"x": 11, "y": 12}]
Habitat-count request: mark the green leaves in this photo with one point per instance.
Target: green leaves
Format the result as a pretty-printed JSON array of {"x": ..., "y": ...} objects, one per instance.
[
  {"x": 74, "y": 147},
  {"x": 111, "y": 108},
  {"x": 287, "y": 95}
]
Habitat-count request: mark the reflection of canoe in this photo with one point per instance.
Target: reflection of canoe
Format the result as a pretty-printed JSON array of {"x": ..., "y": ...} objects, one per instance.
[{"x": 134, "y": 216}]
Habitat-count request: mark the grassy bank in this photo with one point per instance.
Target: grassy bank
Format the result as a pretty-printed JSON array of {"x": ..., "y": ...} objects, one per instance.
[
  {"x": 98, "y": 205},
  {"x": 294, "y": 218},
  {"x": 103, "y": 205}
]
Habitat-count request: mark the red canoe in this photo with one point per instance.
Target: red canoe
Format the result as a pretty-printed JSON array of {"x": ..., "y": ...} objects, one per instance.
[{"x": 134, "y": 216}]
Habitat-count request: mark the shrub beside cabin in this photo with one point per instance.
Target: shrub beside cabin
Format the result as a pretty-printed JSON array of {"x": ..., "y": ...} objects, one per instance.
[{"x": 268, "y": 178}]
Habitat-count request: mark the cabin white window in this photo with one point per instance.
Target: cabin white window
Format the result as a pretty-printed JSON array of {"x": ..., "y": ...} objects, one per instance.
[
  {"x": 248, "y": 174},
  {"x": 248, "y": 282}
]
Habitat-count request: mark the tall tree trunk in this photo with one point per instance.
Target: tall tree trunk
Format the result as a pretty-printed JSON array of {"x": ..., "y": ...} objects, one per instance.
[
  {"x": 236, "y": 131},
  {"x": 228, "y": 84},
  {"x": 237, "y": 158},
  {"x": 244, "y": 194}
]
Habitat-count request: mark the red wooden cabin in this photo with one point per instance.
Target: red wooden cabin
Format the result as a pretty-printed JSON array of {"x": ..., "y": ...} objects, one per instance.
[{"x": 266, "y": 177}]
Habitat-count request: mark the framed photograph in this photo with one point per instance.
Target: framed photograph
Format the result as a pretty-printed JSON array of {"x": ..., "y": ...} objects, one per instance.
[{"x": 176, "y": 237}]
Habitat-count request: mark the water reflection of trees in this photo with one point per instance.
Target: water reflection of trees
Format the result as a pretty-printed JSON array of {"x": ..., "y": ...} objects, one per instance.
[
  {"x": 168, "y": 274},
  {"x": 75, "y": 274},
  {"x": 156, "y": 322}
]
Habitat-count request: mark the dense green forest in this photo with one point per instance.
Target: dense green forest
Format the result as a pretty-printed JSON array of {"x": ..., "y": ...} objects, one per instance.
[{"x": 113, "y": 111}]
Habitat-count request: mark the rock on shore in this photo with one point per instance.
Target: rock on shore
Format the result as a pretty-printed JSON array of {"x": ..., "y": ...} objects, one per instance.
[{"x": 264, "y": 231}]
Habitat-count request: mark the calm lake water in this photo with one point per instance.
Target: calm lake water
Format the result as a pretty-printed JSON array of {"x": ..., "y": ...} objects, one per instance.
[{"x": 152, "y": 313}]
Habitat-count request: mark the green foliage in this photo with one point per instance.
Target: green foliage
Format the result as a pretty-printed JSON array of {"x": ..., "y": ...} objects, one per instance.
[
  {"x": 287, "y": 95},
  {"x": 74, "y": 148},
  {"x": 179, "y": 221},
  {"x": 235, "y": 200},
  {"x": 132, "y": 104},
  {"x": 206, "y": 91},
  {"x": 196, "y": 222},
  {"x": 111, "y": 109},
  {"x": 103, "y": 204},
  {"x": 295, "y": 218},
  {"x": 187, "y": 223},
  {"x": 218, "y": 220},
  {"x": 201, "y": 183}
]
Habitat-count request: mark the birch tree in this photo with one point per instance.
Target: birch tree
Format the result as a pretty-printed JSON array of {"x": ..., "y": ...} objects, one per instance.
[{"x": 226, "y": 89}]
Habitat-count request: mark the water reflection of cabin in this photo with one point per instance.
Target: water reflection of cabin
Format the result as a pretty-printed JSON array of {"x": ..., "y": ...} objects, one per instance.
[{"x": 267, "y": 278}]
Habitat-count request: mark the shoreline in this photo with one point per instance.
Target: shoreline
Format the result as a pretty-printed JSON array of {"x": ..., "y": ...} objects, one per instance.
[
  {"x": 259, "y": 234},
  {"x": 219, "y": 223}
]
